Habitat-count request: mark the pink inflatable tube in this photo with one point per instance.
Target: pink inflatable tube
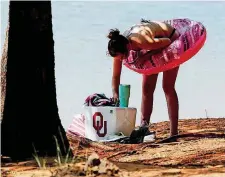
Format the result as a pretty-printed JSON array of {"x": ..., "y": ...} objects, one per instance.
[{"x": 191, "y": 40}]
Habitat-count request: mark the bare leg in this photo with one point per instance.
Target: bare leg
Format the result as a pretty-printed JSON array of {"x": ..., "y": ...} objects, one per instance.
[
  {"x": 148, "y": 88},
  {"x": 169, "y": 79}
]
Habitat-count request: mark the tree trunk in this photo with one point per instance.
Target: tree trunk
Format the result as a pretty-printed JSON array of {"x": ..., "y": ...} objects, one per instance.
[
  {"x": 3, "y": 71},
  {"x": 30, "y": 112}
]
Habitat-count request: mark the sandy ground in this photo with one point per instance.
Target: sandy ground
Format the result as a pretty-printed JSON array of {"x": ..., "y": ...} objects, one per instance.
[{"x": 199, "y": 150}]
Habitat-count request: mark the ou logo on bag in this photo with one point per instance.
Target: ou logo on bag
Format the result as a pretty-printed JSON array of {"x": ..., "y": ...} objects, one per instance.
[{"x": 98, "y": 125}]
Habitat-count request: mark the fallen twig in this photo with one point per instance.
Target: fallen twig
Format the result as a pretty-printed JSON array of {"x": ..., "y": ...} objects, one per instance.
[{"x": 174, "y": 138}]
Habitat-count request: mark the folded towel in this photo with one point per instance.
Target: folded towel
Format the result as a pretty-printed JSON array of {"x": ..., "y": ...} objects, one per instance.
[
  {"x": 98, "y": 99},
  {"x": 77, "y": 128}
]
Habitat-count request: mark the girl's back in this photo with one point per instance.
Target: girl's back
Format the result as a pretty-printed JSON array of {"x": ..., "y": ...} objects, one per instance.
[{"x": 153, "y": 28}]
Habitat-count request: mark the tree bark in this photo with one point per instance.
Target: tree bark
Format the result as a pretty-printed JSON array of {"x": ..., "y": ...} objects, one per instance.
[
  {"x": 3, "y": 71},
  {"x": 30, "y": 112}
]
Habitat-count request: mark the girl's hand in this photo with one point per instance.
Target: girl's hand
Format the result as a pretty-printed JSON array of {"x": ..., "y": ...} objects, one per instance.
[{"x": 115, "y": 99}]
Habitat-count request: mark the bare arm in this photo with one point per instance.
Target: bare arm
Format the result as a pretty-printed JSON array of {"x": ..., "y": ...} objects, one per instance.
[
  {"x": 117, "y": 67},
  {"x": 144, "y": 41}
]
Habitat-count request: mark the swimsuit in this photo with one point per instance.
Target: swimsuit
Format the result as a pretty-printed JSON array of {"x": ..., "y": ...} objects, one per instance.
[{"x": 171, "y": 35}]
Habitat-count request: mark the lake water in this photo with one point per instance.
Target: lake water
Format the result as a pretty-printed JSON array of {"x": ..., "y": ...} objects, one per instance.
[{"x": 83, "y": 68}]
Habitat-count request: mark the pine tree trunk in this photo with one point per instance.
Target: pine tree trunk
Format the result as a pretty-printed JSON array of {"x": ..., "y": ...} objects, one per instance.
[{"x": 30, "y": 112}]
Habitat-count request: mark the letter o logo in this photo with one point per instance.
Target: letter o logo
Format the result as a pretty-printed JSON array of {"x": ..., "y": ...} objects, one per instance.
[{"x": 98, "y": 125}]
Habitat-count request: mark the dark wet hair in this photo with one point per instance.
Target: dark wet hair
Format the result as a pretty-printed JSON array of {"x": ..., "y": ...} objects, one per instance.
[{"x": 117, "y": 43}]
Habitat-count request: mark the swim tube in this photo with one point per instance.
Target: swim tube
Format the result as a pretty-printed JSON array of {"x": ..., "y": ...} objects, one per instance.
[{"x": 191, "y": 40}]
